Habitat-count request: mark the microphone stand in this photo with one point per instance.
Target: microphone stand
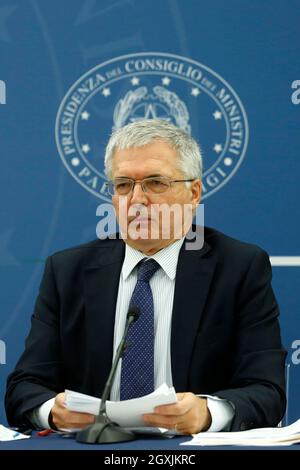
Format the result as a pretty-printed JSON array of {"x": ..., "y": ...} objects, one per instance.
[{"x": 104, "y": 430}]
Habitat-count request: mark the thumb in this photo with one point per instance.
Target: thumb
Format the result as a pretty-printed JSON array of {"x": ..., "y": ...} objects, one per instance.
[
  {"x": 60, "y": 399},
  {"x": 180, "y": 396}
]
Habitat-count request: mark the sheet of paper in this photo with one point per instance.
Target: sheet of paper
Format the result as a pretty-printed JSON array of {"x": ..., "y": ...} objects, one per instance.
[
  {"x": 126, "y": 413},
  {"x": 7, "y": 434},
  {"x": 257, "y": 437}
]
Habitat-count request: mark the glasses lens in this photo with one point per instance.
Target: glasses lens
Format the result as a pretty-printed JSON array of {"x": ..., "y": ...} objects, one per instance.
[
  {"x": 156, "y": 185},
  {"x": 122, "y": 186}
]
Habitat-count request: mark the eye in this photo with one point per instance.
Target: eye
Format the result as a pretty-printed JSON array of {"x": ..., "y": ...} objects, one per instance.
[
  {"x": 157, "y": 185},
  {"x": 122, "y": 186},
  {"x": 153, "y": 184}
]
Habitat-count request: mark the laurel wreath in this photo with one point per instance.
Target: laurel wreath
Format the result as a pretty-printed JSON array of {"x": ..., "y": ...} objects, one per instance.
[
  {"x": 124, "y": 106},
  {"x": 176, "y": 107}
]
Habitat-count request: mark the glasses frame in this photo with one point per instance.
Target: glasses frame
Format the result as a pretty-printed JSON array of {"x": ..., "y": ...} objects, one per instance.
[{"x": 110, "y": 184}]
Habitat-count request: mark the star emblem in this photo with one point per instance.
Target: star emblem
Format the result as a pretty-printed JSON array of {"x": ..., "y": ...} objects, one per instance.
[
  {"x": 218, "y": 148},
  {"x": 195, "y": 91},
  {"x": 85, "y": 115},
  {"x": 217, "y": 115},
  {"x": 85, "y": 148},
  {"x": 106, "y": 92},
  {"x": 228, "y": 161},
  {"x": 150, "y": 112},
  {"x": 75, "y": 161},
  {"x": 135, "y": 81},
  {"x": 166, "y": 81}
]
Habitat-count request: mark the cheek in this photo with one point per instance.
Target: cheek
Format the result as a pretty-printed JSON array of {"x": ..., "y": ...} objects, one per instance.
[
  {"x": 189, "y": 195},
  {"x": 183, "y": 196},
  {"x": 117, "y": 207},
  {"x": 115, "y": 204}
]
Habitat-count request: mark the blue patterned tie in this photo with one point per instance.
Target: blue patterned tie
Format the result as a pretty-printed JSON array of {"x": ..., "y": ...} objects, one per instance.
[{"x": 137, "y": 374}]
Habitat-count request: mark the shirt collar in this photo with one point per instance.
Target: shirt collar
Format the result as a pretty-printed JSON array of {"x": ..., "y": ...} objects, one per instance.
[{"x": 167, "y": 258}]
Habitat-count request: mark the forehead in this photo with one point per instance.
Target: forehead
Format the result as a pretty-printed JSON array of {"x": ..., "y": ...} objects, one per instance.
[{"x": 149, "y": 157}]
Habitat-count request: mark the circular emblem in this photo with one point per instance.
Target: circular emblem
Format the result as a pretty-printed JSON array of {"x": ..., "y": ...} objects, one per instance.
[{"x": 148, "y": 86}]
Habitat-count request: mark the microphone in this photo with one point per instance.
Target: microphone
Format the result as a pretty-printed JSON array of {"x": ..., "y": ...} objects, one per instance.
[{"x": 104, "y": 430}]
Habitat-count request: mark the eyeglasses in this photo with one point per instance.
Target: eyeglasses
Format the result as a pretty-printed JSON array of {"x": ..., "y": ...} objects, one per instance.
[{"x": 153, "y": 185}]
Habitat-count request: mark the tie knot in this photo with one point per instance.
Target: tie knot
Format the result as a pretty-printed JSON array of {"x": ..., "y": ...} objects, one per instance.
[{"x": 146, "y": 269}]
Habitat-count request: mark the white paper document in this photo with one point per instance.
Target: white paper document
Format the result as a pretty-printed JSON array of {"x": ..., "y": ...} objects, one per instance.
[
  {"x": 126, "y": 413},
  {"x": 284, "y": 436},
  {"x": 7, "y": 434}
]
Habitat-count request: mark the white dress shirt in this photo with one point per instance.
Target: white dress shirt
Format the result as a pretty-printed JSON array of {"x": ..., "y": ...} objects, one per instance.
[{"x": 162, "y": 285}]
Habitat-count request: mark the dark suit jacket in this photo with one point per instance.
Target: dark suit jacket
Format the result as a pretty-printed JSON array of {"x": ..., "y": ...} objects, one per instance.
[{"x": 225, "y": 338}]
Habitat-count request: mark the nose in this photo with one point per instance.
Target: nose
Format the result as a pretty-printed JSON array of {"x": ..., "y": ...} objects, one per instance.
[{"x": 138, "y": 196}]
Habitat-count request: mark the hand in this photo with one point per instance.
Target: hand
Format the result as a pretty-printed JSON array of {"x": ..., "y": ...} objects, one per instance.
[
  {"x": 189, "y": 416},
  {"x": 66, "y": 419}
]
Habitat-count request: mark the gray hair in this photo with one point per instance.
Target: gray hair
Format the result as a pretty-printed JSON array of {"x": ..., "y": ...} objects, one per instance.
[{"x": 144, "y": 132}]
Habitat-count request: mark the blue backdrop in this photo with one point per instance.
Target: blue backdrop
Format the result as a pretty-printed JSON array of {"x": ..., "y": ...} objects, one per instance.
[{"x": 227, "y": 71}]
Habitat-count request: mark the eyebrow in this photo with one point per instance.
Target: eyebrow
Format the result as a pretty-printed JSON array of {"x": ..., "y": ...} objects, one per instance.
[
  {"x": 149, "y": 176},
  {"x": 153, "y": 176}
]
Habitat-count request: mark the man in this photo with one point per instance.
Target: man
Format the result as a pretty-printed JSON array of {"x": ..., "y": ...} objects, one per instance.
[{"x": 208, "y": 317}]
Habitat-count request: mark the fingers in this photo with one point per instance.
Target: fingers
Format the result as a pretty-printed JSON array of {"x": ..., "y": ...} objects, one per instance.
[
  {"x": 160, "y": 421},
  {"x": 184, "y": 404},
  {"x": 66, "y": 419},
  {"x": 189, "y": 416},
  {"x": 71, "y": 419},
  {"x": 170, "y": 416},
  {"x": 60, "y": 400}
]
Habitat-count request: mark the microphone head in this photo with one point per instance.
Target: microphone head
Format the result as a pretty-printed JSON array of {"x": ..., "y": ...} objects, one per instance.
[{"x": 133, "y": 313}]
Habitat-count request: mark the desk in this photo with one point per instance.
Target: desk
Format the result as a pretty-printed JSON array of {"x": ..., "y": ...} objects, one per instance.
[
  {"x": 57, "y": 442},
  {"x": 61, "y": 447}
]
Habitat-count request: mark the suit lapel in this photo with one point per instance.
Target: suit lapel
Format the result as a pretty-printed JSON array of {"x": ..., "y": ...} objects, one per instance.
[
  {"x": 101, "y": 291},
  {"x": 195, "y": 271}
]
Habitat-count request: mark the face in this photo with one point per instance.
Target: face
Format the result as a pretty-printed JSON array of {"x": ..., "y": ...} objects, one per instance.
[{"x": 145, "y": 218}]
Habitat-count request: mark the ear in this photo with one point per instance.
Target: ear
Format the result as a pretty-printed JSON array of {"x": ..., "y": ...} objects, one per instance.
[{"x": 196, "y": 190}]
